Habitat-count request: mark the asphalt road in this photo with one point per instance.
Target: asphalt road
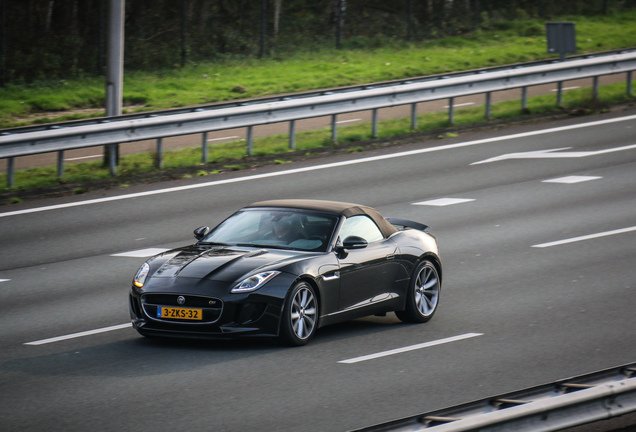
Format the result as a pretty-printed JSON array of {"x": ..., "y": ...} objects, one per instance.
[{"x": 538, "y": 253}]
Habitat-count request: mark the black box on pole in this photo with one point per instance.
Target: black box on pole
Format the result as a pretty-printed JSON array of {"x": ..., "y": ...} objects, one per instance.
[{"x": 561, "y": 38}]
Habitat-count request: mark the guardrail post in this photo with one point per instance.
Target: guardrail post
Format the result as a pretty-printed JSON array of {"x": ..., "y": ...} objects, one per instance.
[
  {"x": 451, "y": 110},
  {"x": 60, "y": 163},
  {"x": 10, "y": 172},
  {"x": 292, "y": 134},
  {"x": 159, "y": 155},
  {"x": 524, "y": 98},
  {"x": 629, "y": 83},
  {"x": 374, "y": 123},
  {"x": 204, "y": 148},
  {"x": 559, "y": 93},
  {"x": 595, "y": 88},
  {"x": 488, "y": 106},
  {"x": 334, "y": 129},
  {"x": 413, "y": 116},
  {"x": 250, "y": 140},
  {"x": 112, "y": 159}
]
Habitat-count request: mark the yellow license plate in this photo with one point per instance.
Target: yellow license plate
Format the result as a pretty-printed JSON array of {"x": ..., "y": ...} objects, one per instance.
[{"x": 179, "y": 313}]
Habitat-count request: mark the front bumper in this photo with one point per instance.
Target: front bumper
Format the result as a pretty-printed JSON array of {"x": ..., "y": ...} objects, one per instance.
[{"x": 224, "y": 315}]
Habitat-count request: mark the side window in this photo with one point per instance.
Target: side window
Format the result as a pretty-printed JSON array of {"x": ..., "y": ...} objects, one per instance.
[{"x": 361, "y": 226}]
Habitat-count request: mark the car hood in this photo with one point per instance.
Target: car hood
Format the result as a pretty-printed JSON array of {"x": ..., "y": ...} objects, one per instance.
[{"x": 221, "y": 263}]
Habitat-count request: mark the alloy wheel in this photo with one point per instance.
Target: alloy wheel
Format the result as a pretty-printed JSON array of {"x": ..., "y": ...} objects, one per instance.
[
  {"x": 427, "y": 290},
  {"x": 303, "y": 313}
]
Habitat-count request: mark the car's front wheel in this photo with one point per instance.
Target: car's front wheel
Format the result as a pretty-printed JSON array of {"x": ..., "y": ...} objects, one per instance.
[
  {"x": 423, "y": 295},
  {"x": 300, "y": 315}
]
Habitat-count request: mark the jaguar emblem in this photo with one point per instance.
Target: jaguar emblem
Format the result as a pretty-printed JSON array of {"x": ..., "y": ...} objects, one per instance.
[{"x": 181, "y": 300}]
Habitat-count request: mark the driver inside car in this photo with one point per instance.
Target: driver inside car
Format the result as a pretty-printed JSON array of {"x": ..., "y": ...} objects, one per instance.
[{"x": 283, "y": 231}]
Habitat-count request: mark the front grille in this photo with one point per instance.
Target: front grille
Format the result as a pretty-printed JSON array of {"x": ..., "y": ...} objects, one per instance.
[{"x": 211, "y": 307}]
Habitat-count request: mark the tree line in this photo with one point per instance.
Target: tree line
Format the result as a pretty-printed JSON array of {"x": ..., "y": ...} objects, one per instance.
[{"x": 56, "y": 39}]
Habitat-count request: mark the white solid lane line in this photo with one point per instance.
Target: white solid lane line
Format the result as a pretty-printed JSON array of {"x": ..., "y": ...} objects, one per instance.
[
  {"x": 586, "y": 237},
  {"x": 319, "y": 167},
  {"x": 80, "y": 334},
  {"x": 410, "y": 348}
]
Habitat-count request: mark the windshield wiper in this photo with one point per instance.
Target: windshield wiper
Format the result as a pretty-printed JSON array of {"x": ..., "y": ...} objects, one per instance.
[{"x": 213, "y": 243}]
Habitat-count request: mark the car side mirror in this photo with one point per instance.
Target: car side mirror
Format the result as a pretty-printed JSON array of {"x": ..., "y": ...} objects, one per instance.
[
  {"x": 354, "y": 242},
  {"x": 201, "y": 232}
]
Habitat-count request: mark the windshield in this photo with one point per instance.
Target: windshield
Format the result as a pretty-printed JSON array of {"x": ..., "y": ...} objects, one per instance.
[{"x": 284, "y": 228}]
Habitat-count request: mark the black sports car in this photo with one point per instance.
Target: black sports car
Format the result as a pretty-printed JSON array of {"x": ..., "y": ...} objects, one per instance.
[{"x": 285, "y": 268}]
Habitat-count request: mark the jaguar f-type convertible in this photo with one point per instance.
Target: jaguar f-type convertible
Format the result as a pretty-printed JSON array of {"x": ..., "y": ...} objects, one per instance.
[{"x": 285, "y": 268}]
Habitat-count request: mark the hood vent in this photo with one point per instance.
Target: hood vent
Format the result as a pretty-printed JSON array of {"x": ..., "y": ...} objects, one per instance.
[{"x": 255, "y": 253}]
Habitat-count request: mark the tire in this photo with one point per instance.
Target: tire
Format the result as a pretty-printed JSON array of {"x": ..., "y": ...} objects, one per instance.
[
  {"x": 300, "y": 315},
  {"x": 423, "y": 294}
]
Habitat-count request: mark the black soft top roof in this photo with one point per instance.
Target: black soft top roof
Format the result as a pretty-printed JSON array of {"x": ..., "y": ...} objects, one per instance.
[{"x": 335, "y": 207}]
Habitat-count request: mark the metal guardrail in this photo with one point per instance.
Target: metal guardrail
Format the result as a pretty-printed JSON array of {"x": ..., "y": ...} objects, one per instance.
[
  {"x": 550, "y": 407},
  {"x": 113, "y": 131}
]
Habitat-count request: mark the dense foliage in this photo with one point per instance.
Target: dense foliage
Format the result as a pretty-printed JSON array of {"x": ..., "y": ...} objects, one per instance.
[{"x": 44, "y": 39}]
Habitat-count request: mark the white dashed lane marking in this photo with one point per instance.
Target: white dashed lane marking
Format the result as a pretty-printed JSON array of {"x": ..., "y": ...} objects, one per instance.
[
  {"x": 440, "y": 202},
  {"x": 224, "y": 138},
  {"x": 80, "y": 334},
  {"x": 348, "y": 121},
  {"x": 84, "y": 157},
  {"x": 566, "y": 88},
  {"x": 141, "y": 253},
  {"x": 572, "y": 179},
  {"x": 460, "y": 104},
  {"x": 410, "y": 348},
  {"x": 586, "y": 237}
]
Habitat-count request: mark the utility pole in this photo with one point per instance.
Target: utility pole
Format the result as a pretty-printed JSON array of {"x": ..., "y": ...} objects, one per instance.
[
  {"x": 261, "y": 53},
  {"x": 184, "y": 8},
  {"x": 114, "y": 73},
  {"x": 341, "y": 6},
  {"x": 409, "y": 19},
  {"x": 3, "y": 43}
]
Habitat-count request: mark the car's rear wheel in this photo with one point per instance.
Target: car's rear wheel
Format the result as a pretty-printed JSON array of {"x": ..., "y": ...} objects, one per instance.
[
  {"x": 423, "y": 295},
  {"x": 300, "y": 315}
]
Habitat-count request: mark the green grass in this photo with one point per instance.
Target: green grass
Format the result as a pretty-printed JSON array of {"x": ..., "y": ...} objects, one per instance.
[{"x": 500, "y": 43}]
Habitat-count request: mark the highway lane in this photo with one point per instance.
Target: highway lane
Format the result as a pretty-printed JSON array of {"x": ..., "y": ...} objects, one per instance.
[
  {"x": 536, "y": 313},
  {"x": 145, "y": 220}
]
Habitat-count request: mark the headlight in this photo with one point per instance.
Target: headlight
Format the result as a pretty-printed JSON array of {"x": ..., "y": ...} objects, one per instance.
[
  {"x": 142, "y": 274},
  {"x": 253, "y": 283}
]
